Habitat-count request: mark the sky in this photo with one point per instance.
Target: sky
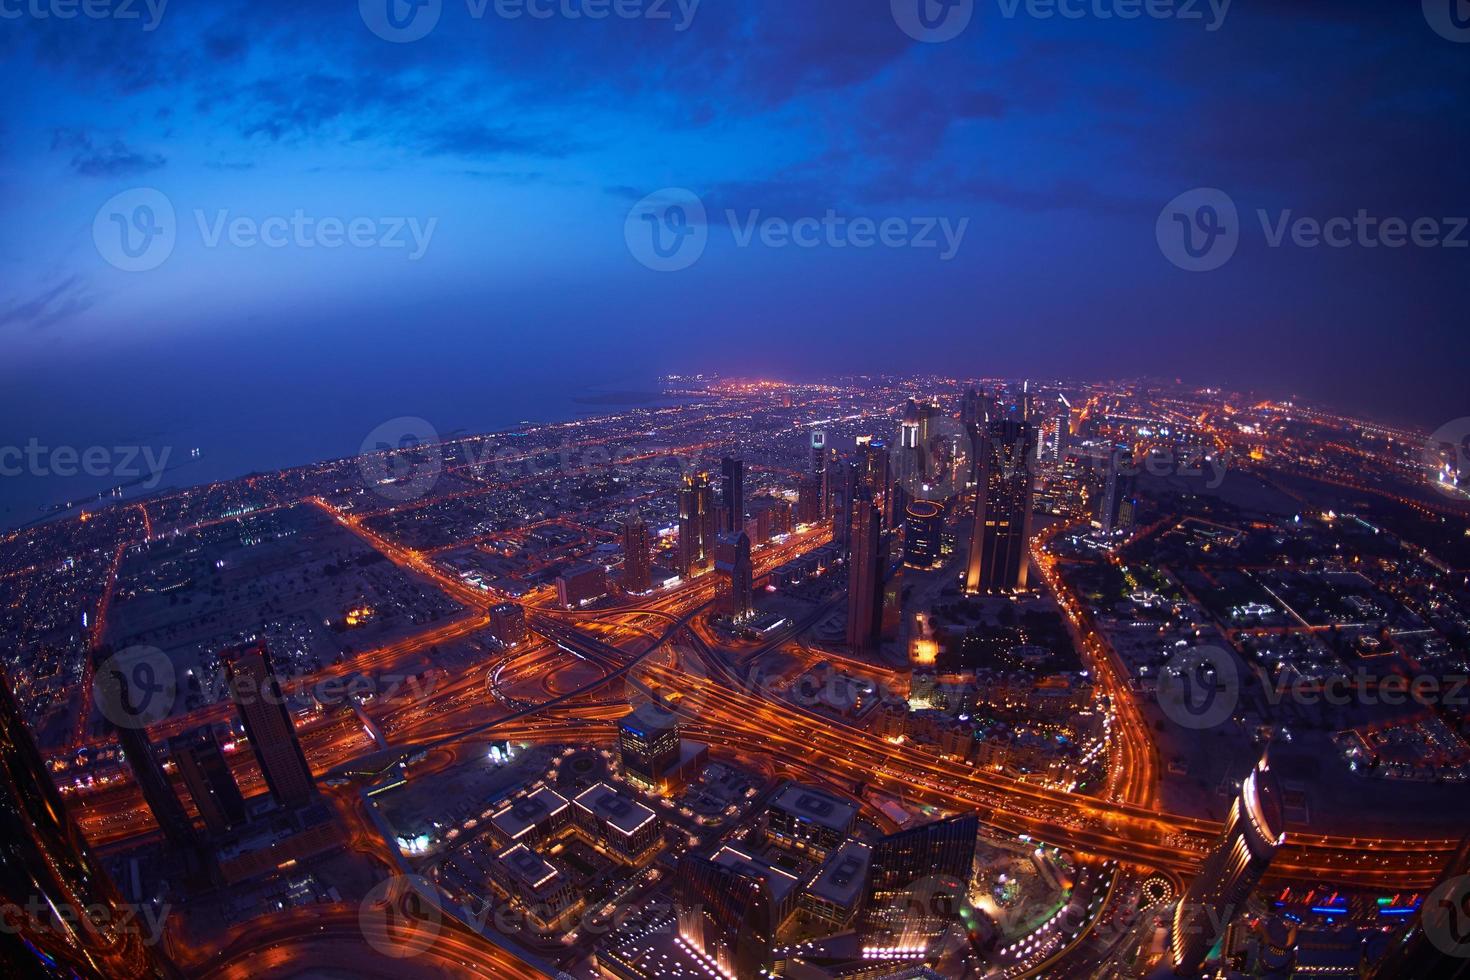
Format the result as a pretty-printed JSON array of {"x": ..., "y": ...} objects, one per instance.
[{"x": 499, "y": 169}]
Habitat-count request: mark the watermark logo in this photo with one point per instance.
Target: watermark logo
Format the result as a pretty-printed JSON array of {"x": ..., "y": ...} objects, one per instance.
[
  {"x": 135, "y": 230},
  {"x": 90, "y": 9},
  {"x": 667, "y": 230},
  {"x": 1180, "y": 10},
  {"x": 400, "y": 459},
  {"x": 398, "y": 918},
  {"x": 135, "y": 687},
  {"x": 400, "y": 21},
  {"x": 1445, "y": 917},
  {"x": 1199, "y": 687},
  {"x": 932, "y": 21},
  {"x": 1447, "y": 456},
  {"x": 61, "y": 921},
  {"x": 1199, "y": 230},
  {"x": 35, "y": 459},
  {"x": 1450, "y": 19}
]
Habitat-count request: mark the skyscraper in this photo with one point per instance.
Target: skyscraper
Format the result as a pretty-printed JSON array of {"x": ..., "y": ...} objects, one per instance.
[
  {"x": 1063, "y": 430},
  {"x": 696, "y": 524},
  {"x": 865, "y": 577},
  {"x": 845, "y": 478},
  {"x": 1437, "y": 943},
  {"x": 1003, "y": 490},
  {"x": 819, "y": 470},
  {"x": 262, "y": 707},
  {"x": 732, "y": 565},
  {"x": 1116, "y": 506},
  {"x": 1253, "y": 834},
  {"x": 923, "y": 534},
  {"x": 809, "y": 499},
  {"x": 207, "y": 776},
  {"x": 648, "y": 743},
  {"x": 64, "y": 918},
  {"x": 917, "y": 879},
  {"x": 876, "y": 471},
  {"x": 113, "y": 699},
  {"x": 726, "y": 916},
  {"x": 732, "y": 492},
  {"x": 636, "y": 544}
]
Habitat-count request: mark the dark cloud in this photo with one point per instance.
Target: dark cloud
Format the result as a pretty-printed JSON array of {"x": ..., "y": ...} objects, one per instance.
[
  {"x": 111, "y": 158},
  {"x": 53, "y": 304}
]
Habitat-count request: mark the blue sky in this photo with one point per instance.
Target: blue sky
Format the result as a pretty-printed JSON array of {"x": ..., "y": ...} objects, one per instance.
[{"x": 526, "y": 141}]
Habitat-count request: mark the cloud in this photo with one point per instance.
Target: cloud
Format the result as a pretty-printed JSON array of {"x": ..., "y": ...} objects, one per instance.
[
  {"x": 52, "y": 304},
  {"x": 109, "y": 159}
]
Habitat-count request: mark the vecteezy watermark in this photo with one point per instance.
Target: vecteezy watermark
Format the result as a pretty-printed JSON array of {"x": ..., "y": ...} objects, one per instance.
[
  {"x": 1162, "y": 461},
  {"x": 403, "y": 21},
  {"x": 1450, "y": 19},
  {"x": 1200, "y": 230},
  {"x": 39, "y": 915},
  {"x": 932, "y": 21},
  {"x": 667, "y": 231},
  {"x": 1447, "y": 457},
  {"x": 1199, "y": 687},
  {"x": 400, "y": 917},
  {"x": 137, "y": 229},
  {"x": 1445, "y": 916},
  {"x": 150, "y": 12},
  {"x": 135, "y": 687},
  {"x": 143, "y": 463},
  {"x": 401, "y": 459},
  {"x": 1211, "y": 13}
]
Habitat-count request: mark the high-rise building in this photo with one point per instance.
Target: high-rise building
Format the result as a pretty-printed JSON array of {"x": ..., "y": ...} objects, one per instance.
[
  {"x": 923, "y": 534},
  {"x": 809, "y": 499},
  {"x": 725, "y": 915},
  {"x": 637, "y": 576},
  {"x": 845, "y": 481},
  {"x": 114, "y": 701},
  {"x": 64, "y": 918},
  {"x": 865, "y": 577},
  {"x": 998, "y": 557},
  {"x": 696, "y": 524},
  {"x": 876, "y": 475},
  {"x": 508, "y": 623},
  {"x": 1437, "y": 942},
  {"x": 1063, "y": 437},
  {"x": 257, "y": 696},
  {"x": 206, "y": 774},
  {"x": 1119, "y": 500},
  {"x": 1254, "y": 832},
  {"x": 917, "y": 879},
  {"x": 732, "y": 493},
  {"x": 736, "y": 579},
  {"x": 820, "y": 460},
  {"x": 648, "y": 743}
]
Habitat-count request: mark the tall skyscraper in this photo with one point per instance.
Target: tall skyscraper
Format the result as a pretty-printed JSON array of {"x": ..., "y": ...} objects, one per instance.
[
  {"x": 732, "y": 565},
  {"x": 206, "y": 774},
  {"x": 637, "y": 576},
  {"x": 648, "y": 743},
  {"x": 998, "y": 548},
  {"x": 917, "y": 879},
  {"x": 923, "y": 534},
  {"x": 809, "y": 499},
  {"x": 1063, "y": 437},
  {"x": 1119, "y": 500},
  {"x": 876, "y": 471},
  {"x": 115, "y": 702},
  {"x": 257, "y": 696},
  {"x": 1254, "y": 831},
  {"x": 1437, "y": 943},
  {"x": 64, "y": 918},
  {"x": 865, "y": 577},
  {"x": 732, "y": 492},
  {"x": 845, "y": 481},
  {"x": 696, "y": 524},
  {"x": 821, "y": 462},
  {"x": 726, "y": 916}
]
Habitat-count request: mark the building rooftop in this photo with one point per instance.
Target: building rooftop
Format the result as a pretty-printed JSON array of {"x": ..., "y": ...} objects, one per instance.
[
  {"x": 520, "y": 817},
  {"x": 622, "y": 814},
  {"x": 844, "y": 876},
  {"x": 814, "y": 806},
  {"x": 779, "y": 884},
  {"x": 533, "y": 870}
]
